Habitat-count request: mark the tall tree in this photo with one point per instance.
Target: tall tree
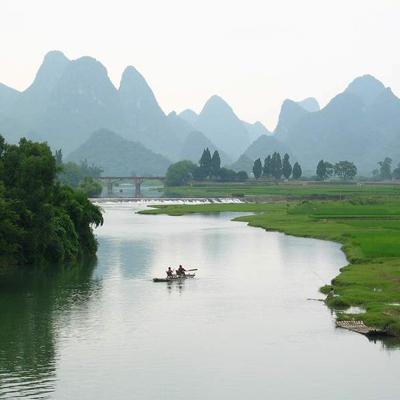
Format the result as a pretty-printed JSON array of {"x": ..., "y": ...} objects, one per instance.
[
  {"x": 396, "y": 172},
  {"x": 345, "y": 170},
  {"x": 267, "y": 167},
  {"x": 385, "y": 170},
  {"x": 215, "y": 164},
  {"x": 329, "y": 169},
  {"x": 257, "y": 168},
  {"x": 321, "y": 170},
  {"x": 276, "y": 166},
  {"x": 205, "y": 162},
  {"x": 59, "y": 157},
  {"x": 286, "y": 166},
  {"x": 324, "y": 170},
  {"x": 297, "y": 172}
]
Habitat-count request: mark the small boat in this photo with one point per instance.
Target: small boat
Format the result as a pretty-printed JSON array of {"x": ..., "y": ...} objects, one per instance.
[{"x": 174, "y": 278}]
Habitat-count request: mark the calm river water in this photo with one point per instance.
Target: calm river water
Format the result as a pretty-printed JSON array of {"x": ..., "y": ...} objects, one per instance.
[{"x": 243, "y": 329}]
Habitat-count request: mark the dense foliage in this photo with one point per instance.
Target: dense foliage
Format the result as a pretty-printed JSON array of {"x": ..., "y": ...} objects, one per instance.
[
  {"x": 40, "y": 219},
  {"x": 179, "y": 173},
  {"x": 384, "y": 172},
  {"x": 345, "y": 170},
  {"x": 79, "y": 176},
  {"x": 276, "y": 167},
  {"x": 209, "y": 168}
]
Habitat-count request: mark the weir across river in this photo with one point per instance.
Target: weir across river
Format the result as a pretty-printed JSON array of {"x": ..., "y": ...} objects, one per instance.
[{"x": 137, "y": 181}]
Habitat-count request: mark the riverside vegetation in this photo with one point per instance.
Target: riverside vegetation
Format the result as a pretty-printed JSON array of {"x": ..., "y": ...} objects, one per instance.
[
  {"x": 368, "y": 228},
  {"x": 41, "y": 220}
]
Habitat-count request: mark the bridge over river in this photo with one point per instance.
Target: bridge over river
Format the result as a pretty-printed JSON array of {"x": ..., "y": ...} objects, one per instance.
[{"x": 137, "y": 181}]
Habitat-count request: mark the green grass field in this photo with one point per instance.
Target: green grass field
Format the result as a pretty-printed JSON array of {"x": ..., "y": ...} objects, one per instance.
[
  {"x": 298, "y": 189},
  {"x": 369, "y": 230}
]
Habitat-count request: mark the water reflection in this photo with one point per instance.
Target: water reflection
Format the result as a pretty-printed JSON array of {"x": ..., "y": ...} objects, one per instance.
[
  {"x": 242, "y": 328},
  {"x": 176, "y": 286},
  {"x": 31, "y": 301}
]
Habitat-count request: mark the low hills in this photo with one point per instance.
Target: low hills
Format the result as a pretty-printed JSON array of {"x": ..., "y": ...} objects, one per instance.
[{"x": 118, "y": 156}]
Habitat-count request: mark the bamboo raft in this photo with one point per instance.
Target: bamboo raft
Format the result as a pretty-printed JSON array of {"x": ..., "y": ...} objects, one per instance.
[
  {"x": 359, "y": 327},
  {"x": 175, "y": 278}
]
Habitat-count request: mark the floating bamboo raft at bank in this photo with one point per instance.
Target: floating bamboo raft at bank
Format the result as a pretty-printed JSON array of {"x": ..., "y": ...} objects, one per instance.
[{"x": 359, "y": 327}]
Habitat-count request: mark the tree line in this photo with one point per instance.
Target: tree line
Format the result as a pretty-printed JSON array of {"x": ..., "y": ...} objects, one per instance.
[
  {"x": 79, "y": 176},
  {"x": 41, "y": 220},
  {"x": 208, "y": 168},
  {"x": 384, "y": 172},
  {"x": 345, "y": 170},
  {"x": 275, "y": 167}
]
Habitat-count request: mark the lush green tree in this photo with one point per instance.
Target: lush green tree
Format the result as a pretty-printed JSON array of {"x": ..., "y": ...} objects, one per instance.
[
  {"x": 396, "y": 172},
  {"x": 329, "y": 169},
  {"x": 297, "y": 172},
  {"x": 385, "y": 168},
  {"x": 321, "y": 170},
  {"x": 11, "y": 233},
  {"x": 257, "y": 168},
  {"x": 215, "y": 164},
  {"x": 276, "y": 166},
  {"x": 41, "y": 220},
  {"x": 242, "y": 176},
  {"x": 90, "y": 187},
  {"x": 345, "y": 170},
  {"x": 205, "y": 162},
  {"x": 227, "y": 175},
  {"x": 59, "y": 157},
  {"x": 267, "y": 167},
  {"x": 199, "y": 173},
  {"x": 286, "y": 166},
  {"x": 73, "y": 174},
  {"x": 179, "y": 173},
  {"x": 324, "y": 170}
]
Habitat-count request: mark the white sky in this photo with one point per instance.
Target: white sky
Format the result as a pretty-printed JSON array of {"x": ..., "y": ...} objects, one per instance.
[{"x": 253, "y": 53}]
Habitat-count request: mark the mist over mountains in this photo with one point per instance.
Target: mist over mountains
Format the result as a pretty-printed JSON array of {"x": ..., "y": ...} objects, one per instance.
[
  {"x": 362, "y": 125},
  {"x": 69, "y": 100}
]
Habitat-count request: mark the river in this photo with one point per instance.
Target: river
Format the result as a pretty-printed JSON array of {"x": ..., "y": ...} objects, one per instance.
[{"x": 243, "y": 329}]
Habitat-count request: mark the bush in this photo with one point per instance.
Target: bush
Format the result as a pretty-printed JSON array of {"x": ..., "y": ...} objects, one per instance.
[{"x": 180, "y": 173}]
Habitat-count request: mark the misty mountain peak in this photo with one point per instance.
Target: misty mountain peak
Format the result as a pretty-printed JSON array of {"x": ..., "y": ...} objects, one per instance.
[
  {"x": 366, "y": 87},
  {"x": 55, "y": 56},
  {"x": 88, "y": 68},
  {"x": 189, "y": 116},
  {"x": 132, "y": 80},
  {"x": 310, "y": 104},
  {"x": 216, "y": 103},
  {"x": 52, "y": 68},
  {"x": 291, "y": 112},
  {"x": 221, "y": 125},
  {"x": 139, "y": 106}
]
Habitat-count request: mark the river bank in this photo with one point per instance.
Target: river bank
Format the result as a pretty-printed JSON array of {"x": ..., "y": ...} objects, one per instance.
[{"x": 369, "y": 231}]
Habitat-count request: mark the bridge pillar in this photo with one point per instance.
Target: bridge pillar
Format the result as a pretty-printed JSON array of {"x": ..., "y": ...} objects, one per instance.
[
  {"x": 109, "y": 187},
  {"x": 138, "y": 182}
]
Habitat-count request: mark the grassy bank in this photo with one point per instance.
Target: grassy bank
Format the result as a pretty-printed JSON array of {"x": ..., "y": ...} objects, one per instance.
[
  {"x": 369, "y": 230},
  {"x": 293, "y": 189}
]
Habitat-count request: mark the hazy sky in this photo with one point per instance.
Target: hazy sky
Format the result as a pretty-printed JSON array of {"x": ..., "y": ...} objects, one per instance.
[{"x": 254, "y": 53}]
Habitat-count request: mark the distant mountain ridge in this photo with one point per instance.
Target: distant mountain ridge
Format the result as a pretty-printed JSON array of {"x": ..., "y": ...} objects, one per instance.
[
  {"x": 194, "y": 145},
  {"x": 70, "y": 99},
  {"x": 361, "y": 124},
  {"x": 118, "y": 156}
]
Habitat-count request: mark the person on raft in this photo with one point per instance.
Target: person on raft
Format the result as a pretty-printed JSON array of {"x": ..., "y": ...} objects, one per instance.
[
  {"x": 169, "y": 272},
  {"x": 181, "y": 271}
]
